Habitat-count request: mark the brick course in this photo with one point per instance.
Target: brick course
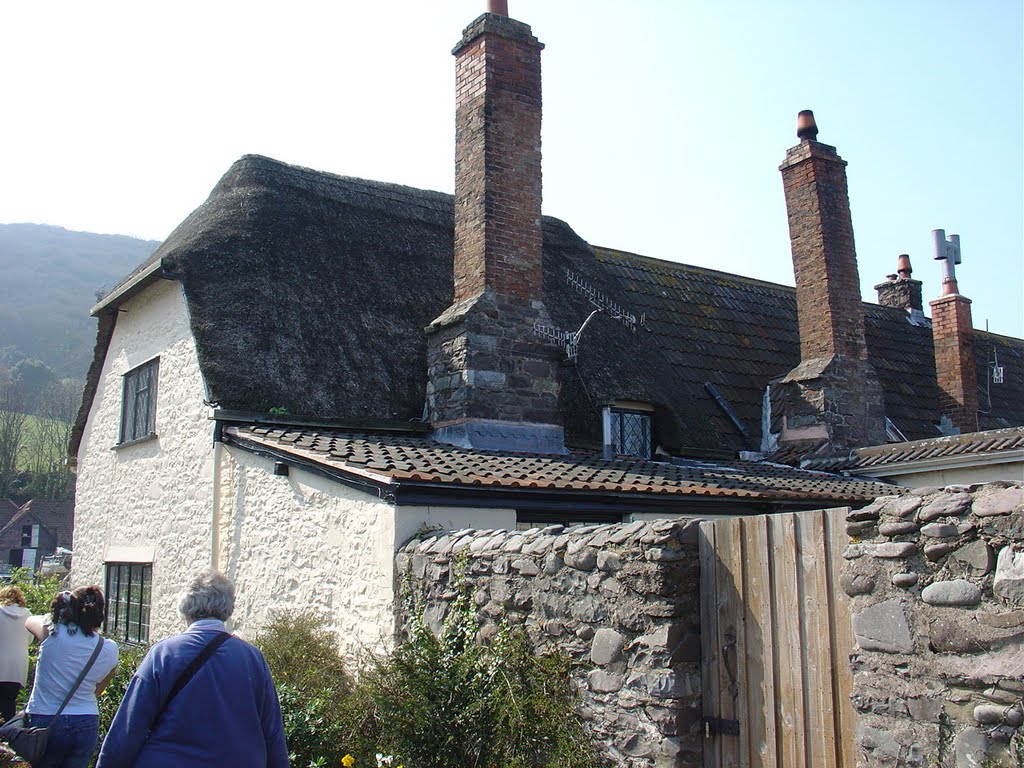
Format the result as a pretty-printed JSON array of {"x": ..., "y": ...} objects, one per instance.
[
  {"x": 834, "y": 386},
  {"x": 953, "y": 334},
  {"x": 484, "y": 360}
]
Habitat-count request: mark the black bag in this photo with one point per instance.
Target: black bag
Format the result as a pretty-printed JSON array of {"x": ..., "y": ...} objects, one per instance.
[{"x": 29, "y": 741}]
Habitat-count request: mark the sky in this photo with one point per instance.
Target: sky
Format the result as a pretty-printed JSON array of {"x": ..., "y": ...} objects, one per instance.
[{"x": 665, "y": 121}]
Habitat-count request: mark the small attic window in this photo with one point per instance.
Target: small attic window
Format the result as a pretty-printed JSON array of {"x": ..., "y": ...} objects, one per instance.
[
  {"x": 138, "y": 404},
  {"x": 628, "y": 430}
]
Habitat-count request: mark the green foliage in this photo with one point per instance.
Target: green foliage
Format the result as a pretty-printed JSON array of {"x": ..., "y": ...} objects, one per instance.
[
  {"x": 129, "y": 657},
  {"x": 313, "y": 685},
  {"x": 447, "y": 702},
  {"x": 39, "y": 591}
]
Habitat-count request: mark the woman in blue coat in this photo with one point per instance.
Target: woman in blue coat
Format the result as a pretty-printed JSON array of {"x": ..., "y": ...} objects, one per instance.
[{"x": 222, "y": 712}]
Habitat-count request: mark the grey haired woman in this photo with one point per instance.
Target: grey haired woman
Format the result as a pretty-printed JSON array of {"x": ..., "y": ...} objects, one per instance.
[{"x": 200, "y": 698}]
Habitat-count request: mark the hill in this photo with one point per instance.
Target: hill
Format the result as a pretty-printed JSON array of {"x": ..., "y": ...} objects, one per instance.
[{"x": 51, "y": 277}]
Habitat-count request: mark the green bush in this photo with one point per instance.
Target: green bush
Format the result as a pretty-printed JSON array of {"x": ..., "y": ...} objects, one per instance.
[
  {"x": 129, "y": 657},
  {"x": 313, "y": 685},
  {"x": 39, "y": 591},
  {"x": 447, "y": 702}
]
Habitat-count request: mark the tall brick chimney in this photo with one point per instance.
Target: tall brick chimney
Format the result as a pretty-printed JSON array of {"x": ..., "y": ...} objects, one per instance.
[
  {"x": 833, "y": 394},
  {"x": 953, "y": 337},
  {"x": 492, "y": 383},
  {"x": 900, "y": 290}
]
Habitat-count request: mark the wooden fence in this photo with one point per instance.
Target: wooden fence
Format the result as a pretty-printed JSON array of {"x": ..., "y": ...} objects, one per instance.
[{"x": 776, "y": 639}]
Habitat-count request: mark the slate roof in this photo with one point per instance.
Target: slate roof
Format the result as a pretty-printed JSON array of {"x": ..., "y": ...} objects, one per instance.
[
  {"x": 738, "y": 333},
  {"x": 988, "y": 443},
  {"x": 309, "y": 292},
  {"x": 389, "y": 459},
  {"x": 57, "y": 516}
]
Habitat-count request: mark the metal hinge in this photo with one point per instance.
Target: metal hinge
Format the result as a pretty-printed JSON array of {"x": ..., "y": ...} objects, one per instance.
[{"x": 714, "y": 726}]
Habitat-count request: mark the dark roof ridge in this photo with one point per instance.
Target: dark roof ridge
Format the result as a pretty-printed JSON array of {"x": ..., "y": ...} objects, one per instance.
[
  {"x": 618, "y": 252},
  {"x": 249, "y": 161}
]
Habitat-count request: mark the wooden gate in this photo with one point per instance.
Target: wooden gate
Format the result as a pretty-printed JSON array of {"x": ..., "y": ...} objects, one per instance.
[{"x": 776, "y": 639}]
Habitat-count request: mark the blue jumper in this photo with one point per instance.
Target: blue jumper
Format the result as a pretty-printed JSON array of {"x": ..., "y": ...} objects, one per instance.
[{"x": 227, "y": 715}]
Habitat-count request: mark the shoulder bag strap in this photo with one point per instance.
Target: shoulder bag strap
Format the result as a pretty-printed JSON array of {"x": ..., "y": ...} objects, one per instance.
[
  {"x": 81, "y": 676},
  {"x": 190, "y": 671}
]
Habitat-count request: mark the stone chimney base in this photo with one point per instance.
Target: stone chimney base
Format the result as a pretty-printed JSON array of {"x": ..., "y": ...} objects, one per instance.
[
  {"x": 815, "y": 403},
  {"x": 492, "y": 383}
]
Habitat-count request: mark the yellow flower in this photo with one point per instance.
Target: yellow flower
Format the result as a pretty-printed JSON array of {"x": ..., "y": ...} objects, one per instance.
[{"x": 348, "y": 761}]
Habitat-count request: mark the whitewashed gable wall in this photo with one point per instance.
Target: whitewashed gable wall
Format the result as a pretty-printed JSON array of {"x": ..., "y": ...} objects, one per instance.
[{"x": 153, "y": 496}]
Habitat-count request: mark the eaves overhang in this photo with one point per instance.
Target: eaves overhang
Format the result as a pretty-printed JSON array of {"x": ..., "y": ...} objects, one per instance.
[
  {"x": 959, "y": 461},
  {"x": 130, "y": 287},
  {"x": 414, "y": 492}
]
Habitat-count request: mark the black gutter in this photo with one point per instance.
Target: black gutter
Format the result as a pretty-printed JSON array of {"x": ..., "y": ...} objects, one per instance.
[
  {"x": 384, "y": 491},
  {"x": 286, "y": 421}
]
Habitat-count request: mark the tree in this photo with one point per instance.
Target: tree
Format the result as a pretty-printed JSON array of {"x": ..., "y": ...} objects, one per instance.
[
  {"x": 45, "y": 457},
  {"x": 32, "y": 377},
  {"x": 13, "y": 421}
]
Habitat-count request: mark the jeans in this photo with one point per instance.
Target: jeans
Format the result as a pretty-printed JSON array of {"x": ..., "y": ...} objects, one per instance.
[
  {"x": 8, "y": 699},
  {"x": 72, "y": 740}
]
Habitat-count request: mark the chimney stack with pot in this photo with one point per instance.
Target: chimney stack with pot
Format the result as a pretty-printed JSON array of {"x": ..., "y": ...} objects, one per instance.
[
  {"x": 953, "y": 337},
  {"x": 833, "y": 395},
  {"x": 492, "y": 383}
]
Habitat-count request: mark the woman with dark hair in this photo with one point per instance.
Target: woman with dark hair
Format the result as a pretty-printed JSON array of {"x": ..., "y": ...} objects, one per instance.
[
  {"x": 14, "y": 642},
  {"x": 69, "y": 639},
  {"x": 202, "y": 699}
]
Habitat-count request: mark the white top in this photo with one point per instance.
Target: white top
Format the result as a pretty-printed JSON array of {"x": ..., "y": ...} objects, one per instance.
[
  {"x": 62, "y": 656},
  {"x": 14, "y": 643}
]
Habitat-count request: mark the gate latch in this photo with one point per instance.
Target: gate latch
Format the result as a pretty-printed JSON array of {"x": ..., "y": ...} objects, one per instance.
[{"x": 714, "y": 726}]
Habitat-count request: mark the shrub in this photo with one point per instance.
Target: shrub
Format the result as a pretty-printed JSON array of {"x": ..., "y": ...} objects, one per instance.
[
  {"x": 39, "y": 591},
  {"x": 312, "y": 684},
  {"x": 129, "y": 657},
  {"x": 447, "y": 702}
]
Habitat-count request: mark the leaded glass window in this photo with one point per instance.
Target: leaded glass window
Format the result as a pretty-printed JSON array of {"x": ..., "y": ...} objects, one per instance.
[
  {"x": 138, "y": 406},
  {"x": 629, "y": 433},
  {"x": 129, "y": 587}
]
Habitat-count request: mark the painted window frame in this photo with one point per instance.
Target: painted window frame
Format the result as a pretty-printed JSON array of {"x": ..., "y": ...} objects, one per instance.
[
  {"x": 138, "y": 403},
  {"x": 129, "y": 594}
]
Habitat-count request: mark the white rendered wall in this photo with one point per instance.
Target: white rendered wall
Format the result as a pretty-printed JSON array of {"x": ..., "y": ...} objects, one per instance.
[
  {"x": 303, "y": 542},
  {"x": 153, "y": 496},
  {"x": 306, "y": 543},
  {"x": 410, "y": 520},
  {"x": 963, "y": 475}
]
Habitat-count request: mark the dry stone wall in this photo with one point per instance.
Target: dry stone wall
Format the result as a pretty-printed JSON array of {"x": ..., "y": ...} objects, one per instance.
[
  {"x": 937, "y": 581},
  {"x": 621, "y": 600}
]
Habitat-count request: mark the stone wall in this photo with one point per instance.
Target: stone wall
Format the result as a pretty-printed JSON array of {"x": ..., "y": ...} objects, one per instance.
[
  {"x": 621, "y": 600},
  {"x": 937, "y": 580}
]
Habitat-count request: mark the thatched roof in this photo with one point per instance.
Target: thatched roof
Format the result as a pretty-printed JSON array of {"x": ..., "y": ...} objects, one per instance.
[{"x": 310, "y": 292}]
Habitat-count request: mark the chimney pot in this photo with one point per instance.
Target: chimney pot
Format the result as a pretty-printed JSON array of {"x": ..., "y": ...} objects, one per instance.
[
  {"x": 806, "y": 128},
  {"x": 498, "y": 7},
  {"x": 903, "y": 266}
]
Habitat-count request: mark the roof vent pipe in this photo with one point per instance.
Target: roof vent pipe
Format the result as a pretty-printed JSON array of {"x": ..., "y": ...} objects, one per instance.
[{"x": 947, "y": 250}]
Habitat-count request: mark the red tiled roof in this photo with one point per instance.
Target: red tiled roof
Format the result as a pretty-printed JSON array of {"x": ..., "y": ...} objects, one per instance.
[{"x": 394, "y": 459}]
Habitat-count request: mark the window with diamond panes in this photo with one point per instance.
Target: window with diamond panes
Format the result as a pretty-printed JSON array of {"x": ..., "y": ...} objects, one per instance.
[
  {"x": 138, "y": 404},
  {"x": 128, "y": 600},
  {"x": 630, "y": 433}
]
